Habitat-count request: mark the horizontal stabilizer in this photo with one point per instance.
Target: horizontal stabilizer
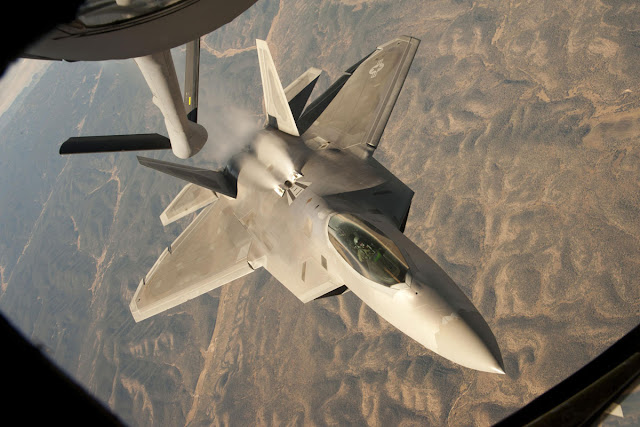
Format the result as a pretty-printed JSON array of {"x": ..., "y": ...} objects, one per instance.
[
  {"x": 220, "y": 182},
  {"x": 114, "y": 143},
  {"x": 212, "y": 251},
  {"x": 299, "y": 91},
  {"x": 275, "y": 100},
  {"x": 190, "y": 199}
]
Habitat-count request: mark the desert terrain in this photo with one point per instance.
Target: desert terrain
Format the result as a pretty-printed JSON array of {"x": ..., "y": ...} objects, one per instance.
[{"x": 517, "y": 128}]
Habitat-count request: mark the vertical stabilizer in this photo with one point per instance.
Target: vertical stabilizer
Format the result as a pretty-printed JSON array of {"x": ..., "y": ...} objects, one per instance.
[
  {"x": 299, "y": 90},
  {"x": 275, "y": 101}
]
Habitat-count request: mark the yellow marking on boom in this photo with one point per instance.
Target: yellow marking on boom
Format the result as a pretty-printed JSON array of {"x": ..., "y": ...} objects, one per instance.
[{"x": 189, "y": 100}]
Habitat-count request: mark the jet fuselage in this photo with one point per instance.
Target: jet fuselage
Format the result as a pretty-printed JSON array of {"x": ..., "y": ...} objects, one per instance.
[
  {"x": 328, "y": 230},
  {"x": 310, "y": 204}
]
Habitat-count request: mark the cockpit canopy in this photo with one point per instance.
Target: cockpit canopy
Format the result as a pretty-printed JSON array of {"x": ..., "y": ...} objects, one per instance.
[{"x": 367, "y": 250}]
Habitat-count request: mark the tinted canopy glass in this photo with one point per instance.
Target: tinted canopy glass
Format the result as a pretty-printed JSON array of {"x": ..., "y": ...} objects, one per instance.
[{"x": 367, "y": 250}]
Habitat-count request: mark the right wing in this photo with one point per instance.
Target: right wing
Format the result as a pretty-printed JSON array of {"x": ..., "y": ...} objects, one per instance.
[
  {"x": 358, "y": 113},
  {"x": 211, "y": 252}
]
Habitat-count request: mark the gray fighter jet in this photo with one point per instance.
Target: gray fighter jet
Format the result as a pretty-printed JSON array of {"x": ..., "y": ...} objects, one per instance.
[{"x": 309, "y": 203}]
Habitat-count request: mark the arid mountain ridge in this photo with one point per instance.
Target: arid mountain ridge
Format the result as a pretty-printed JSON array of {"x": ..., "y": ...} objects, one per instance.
[{"x": 517, "y": 128}]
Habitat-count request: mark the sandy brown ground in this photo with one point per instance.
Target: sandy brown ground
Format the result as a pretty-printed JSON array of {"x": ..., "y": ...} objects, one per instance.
[{"x": 518, "y": 130}]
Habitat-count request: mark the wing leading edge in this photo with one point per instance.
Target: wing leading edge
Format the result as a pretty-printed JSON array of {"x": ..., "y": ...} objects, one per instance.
[
  {"x": 211, "y": 252},
  {"x": 356, "y": 117}
]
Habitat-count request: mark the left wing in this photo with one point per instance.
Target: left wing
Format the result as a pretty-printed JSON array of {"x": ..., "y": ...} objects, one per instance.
[
  {"x": 211, "y": 252},
  {"x": 192, "y": 198}
]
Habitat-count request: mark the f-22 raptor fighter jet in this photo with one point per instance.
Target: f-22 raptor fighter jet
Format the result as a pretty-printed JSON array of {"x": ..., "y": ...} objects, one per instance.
[{"x": 310, "y": 204}]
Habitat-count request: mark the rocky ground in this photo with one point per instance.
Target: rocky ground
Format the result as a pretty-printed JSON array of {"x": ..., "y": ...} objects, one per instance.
[{"x": 518, "y": 130}]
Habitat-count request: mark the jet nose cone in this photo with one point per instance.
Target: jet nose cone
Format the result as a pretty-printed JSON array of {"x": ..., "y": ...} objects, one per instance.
[{"x": 467, "y": 340}]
